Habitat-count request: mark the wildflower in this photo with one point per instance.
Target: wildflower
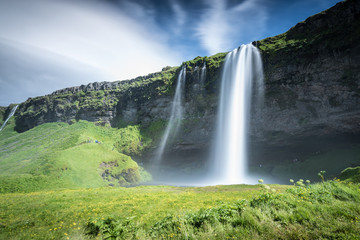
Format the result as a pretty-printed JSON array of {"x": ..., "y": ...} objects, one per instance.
[
  {"x": 292, "y": 180},
  {"x": 260, "y": 180}
]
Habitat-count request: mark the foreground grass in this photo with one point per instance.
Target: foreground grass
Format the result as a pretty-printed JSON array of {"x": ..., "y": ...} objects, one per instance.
[
  {"x": 64, "y": 213},
  {"x": 327, "y": 210}
]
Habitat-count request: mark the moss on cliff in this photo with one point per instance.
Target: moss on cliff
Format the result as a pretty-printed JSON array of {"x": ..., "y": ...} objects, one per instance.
[
  {"x": 93, "y": 104},
  {"x": 131, "y": 141},
  {"x": 2, "y": 115},
  {"x": 335, "y": 29}
]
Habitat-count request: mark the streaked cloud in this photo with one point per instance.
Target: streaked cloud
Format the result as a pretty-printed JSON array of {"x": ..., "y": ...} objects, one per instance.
[
  {"x": 87, "y": 33},
  {"x": 180, "y": 16},
  {"x": 223, "y": 27}
]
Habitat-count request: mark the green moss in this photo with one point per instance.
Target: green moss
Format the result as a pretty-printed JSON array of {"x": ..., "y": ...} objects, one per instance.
[
  {"x": 131, "y": 141},
  {"x": 155, "y": 129},
  {"x": 2, "y": 115}
]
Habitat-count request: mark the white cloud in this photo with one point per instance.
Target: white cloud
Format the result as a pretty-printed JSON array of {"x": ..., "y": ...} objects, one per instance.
[
  {"x": 180, "y": 16},
  {"x": 222, "y": 28},
  {"x": 88, "y": 32}
]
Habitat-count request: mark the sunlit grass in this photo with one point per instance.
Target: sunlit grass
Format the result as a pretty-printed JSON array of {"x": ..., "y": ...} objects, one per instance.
[
  {"x": 59, "y": 155},
  {"x": 52, "y": 214}
]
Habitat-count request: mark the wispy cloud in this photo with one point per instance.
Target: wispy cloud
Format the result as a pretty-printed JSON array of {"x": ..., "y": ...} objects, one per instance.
[
  {"x": 87, "y": 33},
  {"x": 180, "y": 16},
  {"x": 223, "y": 27}
]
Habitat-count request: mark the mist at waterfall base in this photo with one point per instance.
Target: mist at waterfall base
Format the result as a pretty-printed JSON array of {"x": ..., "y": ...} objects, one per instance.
[{"x": 242, "y": 87}]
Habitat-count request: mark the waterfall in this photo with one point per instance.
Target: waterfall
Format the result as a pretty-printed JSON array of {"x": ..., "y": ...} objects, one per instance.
[
  {"x": 12, "y": 112},
  {"x": 203, "y": 76},
  {"x": 176, "y": 115},
  {"x": 242, "y": 73}
]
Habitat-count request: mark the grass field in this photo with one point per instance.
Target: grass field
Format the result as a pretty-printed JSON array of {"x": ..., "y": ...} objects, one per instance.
[
  {"x": 60, "y": 213},
  {"x": 327, "y": 210}
]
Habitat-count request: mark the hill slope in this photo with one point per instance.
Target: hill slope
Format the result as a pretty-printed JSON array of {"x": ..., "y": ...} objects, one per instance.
[{"x": 59, "y": 155}]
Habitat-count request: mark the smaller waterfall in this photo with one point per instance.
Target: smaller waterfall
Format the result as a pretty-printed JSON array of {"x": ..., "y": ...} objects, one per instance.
[
  {"x": 10, "y": 115},
  {"x": 176, "y": 115},
  {"x": 203, "y": 76}
]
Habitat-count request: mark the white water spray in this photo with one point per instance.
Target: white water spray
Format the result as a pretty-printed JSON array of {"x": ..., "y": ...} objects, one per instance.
[
  {"x": 203, "y": 76},
  {"x": 12, "y": 112},
  {"x": 241, "y": 74},
  {"x": 175, "y": 117}
]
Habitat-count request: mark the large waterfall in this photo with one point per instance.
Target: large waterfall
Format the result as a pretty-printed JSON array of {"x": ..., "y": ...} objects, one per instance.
[
  {"x": 242, "y": 79},
  {"x": 176, "y": 115},
  {"x": 10, "y": 115}
]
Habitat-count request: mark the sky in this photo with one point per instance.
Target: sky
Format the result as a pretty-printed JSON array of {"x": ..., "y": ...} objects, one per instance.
[{"x": 46, "y": 45}]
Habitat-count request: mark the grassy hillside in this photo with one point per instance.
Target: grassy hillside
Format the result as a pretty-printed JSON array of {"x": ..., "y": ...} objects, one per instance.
[{"x": 59, "y": 155}]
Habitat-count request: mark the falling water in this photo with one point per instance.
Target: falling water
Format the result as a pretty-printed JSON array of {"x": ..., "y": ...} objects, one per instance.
[
  {"x": 203, "y": 76},
  {"x": 241, "y": 75},
  {"x": 10, "y": 115},
  {"x": 176, "y": 115}
]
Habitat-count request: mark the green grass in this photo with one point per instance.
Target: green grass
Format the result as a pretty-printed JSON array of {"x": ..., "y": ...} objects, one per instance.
[
  {"x": 327, "y": 210},
  {"x": 351, "y": 175},
  {"x": 36, "y": 215},
  {"x": 59, "y": 155}
]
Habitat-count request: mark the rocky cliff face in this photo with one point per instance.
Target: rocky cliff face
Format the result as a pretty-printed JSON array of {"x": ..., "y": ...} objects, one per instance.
[
  {"x": 312, "y": 77},
  {"x": 312, "y": 89}
]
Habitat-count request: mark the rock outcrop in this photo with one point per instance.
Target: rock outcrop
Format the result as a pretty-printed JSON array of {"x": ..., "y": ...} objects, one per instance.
[{"x": 312, "y": 77}]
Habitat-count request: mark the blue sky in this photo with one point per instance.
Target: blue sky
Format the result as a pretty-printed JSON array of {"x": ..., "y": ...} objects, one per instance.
[{"x": 47, "y": 45}]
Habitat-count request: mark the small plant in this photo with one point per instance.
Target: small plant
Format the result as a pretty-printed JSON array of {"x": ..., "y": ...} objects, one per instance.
[
  {"x": 300, "y": 183},
  {"x": 321, "y": 175},
  {"x": 292, "y": 181},
  {"x": 260, "y": 180}
]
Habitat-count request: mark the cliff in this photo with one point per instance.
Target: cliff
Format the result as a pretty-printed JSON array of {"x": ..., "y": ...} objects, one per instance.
[
  {"x": 312, "y": 75},
  {"x": 312, "y": 91}
]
